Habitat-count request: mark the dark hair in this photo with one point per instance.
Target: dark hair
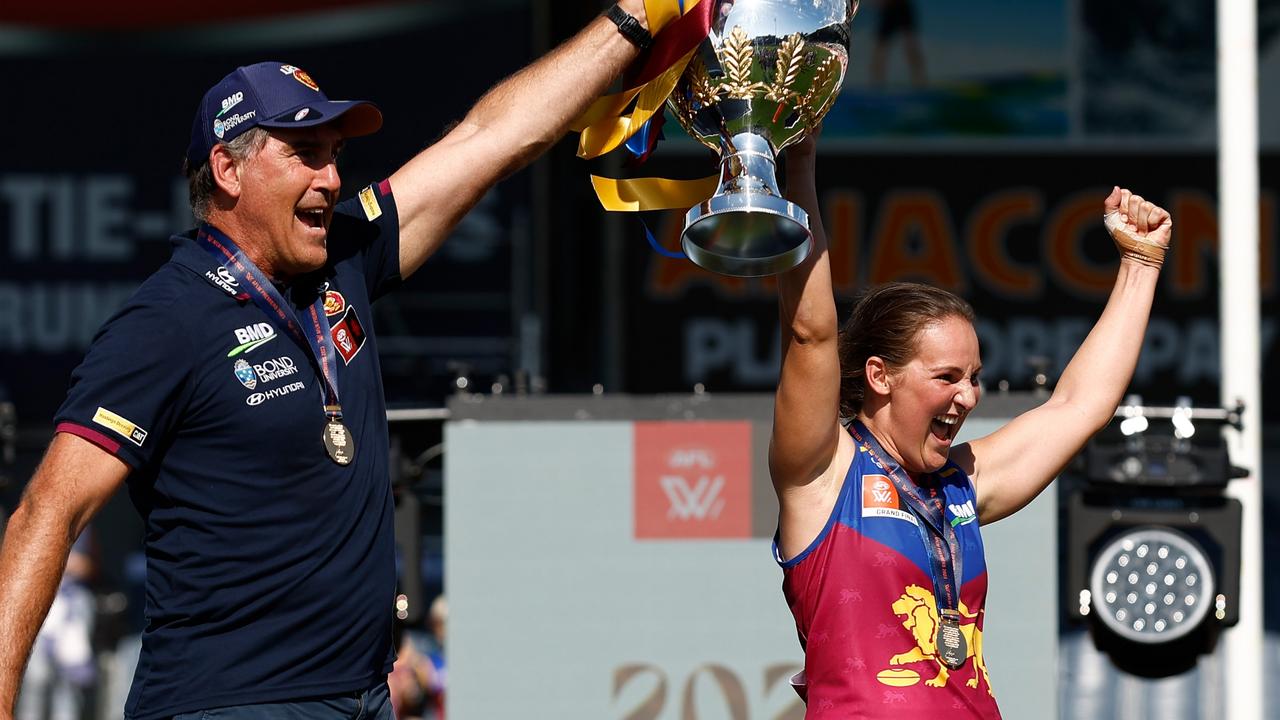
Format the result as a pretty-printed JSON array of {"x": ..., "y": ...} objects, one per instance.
[
  {"x": 885, "y": 323},
  {"x": 200, "y": 184}
]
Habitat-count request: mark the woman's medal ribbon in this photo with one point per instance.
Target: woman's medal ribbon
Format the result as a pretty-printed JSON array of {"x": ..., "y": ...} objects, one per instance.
[{"x": 942, "y": 545}]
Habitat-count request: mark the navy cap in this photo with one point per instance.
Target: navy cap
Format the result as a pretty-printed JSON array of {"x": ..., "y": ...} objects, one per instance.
[{"x": 272, "y": 95}]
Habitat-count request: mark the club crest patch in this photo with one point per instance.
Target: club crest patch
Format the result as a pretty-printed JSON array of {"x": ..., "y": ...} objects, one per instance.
[{"x": 334, "y": 303}]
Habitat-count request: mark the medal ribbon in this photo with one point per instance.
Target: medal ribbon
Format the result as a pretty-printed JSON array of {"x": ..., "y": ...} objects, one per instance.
[
  {"x": 315, "y": 339},
  {"x": 942, "y": 544}
]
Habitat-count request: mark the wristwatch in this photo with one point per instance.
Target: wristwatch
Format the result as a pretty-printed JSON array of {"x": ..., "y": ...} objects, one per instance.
[{"x": 630, "y": 27}]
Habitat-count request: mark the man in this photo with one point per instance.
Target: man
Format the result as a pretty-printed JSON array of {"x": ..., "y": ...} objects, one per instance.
[{"x": 238, "y": 393}]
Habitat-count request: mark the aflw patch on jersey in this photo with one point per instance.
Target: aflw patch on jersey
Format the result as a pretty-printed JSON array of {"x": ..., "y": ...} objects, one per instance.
[{"x": 880, "y": 499}]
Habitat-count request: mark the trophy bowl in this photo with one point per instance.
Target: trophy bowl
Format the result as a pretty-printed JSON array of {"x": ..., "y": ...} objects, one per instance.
[{"x": 762, "y": 80}]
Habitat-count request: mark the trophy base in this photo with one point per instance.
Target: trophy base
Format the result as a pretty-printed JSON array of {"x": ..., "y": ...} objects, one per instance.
[{"x": 747, "y": 235}]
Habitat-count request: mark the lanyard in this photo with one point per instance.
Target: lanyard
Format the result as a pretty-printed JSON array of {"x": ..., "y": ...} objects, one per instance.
[
  {"x": 942, "y": 544},
  {"x": 316, "y": 337}
]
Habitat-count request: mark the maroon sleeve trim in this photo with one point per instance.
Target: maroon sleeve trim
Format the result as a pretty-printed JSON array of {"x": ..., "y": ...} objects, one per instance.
[
  {"x": 384, "y": 187},
  {"x": 91, "y": 435}
]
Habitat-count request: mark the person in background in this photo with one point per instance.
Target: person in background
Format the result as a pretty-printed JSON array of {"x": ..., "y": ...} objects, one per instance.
[
  {"x": 897, "y": 17},
  {"x": 417, "y": 681},
  {"x": 61, "y": 671},
  {"x": 439, "y": 619},
  {"x": 411, "y": 678}
]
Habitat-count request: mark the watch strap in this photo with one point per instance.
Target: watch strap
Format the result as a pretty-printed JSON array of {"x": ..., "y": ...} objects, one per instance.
[{"x": 629, "y": 26}]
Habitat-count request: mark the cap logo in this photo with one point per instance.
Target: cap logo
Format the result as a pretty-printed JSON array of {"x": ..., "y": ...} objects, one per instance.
[
  {"x": 230, "y": 102},
  {"x": 300, "y": 75},
  {"x": 222, "y": 127},
  {"x": 301, "y": 114}
]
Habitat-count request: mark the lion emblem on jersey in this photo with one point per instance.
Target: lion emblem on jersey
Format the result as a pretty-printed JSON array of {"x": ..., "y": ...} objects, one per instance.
[{"x": 920, "y": 615}]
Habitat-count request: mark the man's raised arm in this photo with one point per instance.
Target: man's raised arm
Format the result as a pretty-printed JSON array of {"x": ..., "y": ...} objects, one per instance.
[{"x": 512, "y": 124}]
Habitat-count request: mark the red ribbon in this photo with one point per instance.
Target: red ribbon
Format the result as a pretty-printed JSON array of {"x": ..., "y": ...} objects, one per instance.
[{"x": 672, "y": 43}]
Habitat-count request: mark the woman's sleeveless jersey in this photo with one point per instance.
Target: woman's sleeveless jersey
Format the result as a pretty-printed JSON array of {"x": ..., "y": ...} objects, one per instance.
[{"x": 863, "y": 598}]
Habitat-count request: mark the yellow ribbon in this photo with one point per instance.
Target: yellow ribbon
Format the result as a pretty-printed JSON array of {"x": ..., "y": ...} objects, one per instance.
[
  {"x": 608, "y": 133},
  {"x": 603, "y": 127},
  {"x": 652, "y": 193},
  {"x": 658, "y": 13}
]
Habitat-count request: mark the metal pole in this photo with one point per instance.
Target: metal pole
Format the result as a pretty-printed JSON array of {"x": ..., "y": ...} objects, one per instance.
[{"x": 1239, "y": 312}]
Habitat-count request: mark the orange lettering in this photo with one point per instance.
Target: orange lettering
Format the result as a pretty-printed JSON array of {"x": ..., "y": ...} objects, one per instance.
[
  {"x": 915, "y": 241},
  {"x": 1075, "y": 218},
  {"x": 988, "y": 234}
]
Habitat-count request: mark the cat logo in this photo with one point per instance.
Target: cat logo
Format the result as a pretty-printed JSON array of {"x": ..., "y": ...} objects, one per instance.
[
  {"x": 120, "y": 425},
  {"x": 369, "y": 201}
]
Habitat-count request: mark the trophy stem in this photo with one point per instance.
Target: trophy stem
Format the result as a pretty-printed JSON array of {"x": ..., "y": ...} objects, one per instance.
[{"x": 747, "y": 228}]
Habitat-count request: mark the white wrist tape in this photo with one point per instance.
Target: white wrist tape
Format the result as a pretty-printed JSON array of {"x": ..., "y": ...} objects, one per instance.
[{"x": 1130, "y": 245}]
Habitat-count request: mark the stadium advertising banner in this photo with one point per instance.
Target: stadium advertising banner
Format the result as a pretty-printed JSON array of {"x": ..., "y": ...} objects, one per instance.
[{"x": 1019, "y": 236}]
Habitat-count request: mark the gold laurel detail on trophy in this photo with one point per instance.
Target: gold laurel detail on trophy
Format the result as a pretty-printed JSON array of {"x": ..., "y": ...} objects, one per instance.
[
  {"x": 790, "y": 63},
  {"x": 823, "y": 76},
  {"x": 701, "y": 88},
  {"x": 736, "y": 58}
]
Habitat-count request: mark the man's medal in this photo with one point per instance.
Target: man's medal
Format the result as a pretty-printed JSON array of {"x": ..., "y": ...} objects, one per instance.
[
  {"x": 337, "y": 439},
  {"x": 943, "y": 548}
]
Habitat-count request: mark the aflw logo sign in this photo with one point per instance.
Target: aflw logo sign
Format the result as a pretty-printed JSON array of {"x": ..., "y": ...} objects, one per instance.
[
  {"x": 693, "y": 503},
  {"x": 692, "y": 479}
]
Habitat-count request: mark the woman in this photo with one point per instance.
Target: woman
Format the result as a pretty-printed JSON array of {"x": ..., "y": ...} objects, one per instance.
[{"x": 879, "y": 510}]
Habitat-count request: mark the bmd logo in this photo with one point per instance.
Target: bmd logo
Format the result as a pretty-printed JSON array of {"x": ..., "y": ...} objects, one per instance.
[
  {"x": 252, "y": 337},
  {"x": 692, "y": 480}
]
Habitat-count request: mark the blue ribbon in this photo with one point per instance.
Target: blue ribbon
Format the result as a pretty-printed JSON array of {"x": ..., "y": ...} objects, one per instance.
[{"x": 653, "y": 242}]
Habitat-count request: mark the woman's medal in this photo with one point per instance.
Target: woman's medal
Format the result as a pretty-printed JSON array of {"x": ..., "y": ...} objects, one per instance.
[{"x": 953, "y": 650}]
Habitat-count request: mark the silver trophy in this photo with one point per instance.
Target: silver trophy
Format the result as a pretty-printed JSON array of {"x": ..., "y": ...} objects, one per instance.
[{"x": 762, "y": 80}]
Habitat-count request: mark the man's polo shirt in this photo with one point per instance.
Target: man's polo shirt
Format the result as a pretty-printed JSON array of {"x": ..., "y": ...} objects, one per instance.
[{"x": 270, "y": 568}]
